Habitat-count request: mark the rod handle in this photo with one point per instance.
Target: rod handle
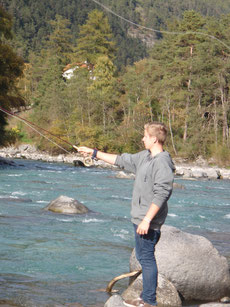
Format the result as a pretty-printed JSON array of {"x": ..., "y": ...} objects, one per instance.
[{"x": 75, "y": 147}]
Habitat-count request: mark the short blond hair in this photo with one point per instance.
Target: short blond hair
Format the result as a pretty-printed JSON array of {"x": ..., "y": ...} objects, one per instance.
[{"x": 157, "y": 129}]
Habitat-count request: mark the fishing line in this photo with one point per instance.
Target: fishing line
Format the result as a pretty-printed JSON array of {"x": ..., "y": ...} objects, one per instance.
[
  {"x": 159, "y": 31},
  {"x": 31, "y": 125}
]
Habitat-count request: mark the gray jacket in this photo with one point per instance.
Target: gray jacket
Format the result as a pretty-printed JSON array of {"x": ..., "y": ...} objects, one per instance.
[{"x": 153, "y": 183}]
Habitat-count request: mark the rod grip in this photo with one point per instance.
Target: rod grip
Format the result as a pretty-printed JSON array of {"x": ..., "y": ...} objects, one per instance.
[{"x": 75, "y": 147}]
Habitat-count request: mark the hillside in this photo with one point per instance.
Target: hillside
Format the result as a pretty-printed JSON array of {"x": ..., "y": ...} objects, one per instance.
[{"x": 32, "y": 21}]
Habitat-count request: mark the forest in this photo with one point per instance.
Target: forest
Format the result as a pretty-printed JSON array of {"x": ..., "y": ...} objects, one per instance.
[{"x": 123, "y": 75}]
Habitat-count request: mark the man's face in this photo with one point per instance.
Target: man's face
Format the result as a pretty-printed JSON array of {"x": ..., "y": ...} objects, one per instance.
[{"x": 148, "y": 140}]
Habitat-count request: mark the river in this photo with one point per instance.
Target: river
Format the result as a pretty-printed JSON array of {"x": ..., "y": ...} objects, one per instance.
[{"x": 50, "y": 259}]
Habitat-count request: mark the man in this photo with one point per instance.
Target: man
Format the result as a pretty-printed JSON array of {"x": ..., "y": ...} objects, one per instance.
[{"x": 153, "y": 185}]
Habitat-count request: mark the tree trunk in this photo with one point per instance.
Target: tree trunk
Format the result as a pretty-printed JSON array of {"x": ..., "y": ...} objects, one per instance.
[
  {"x": 170, "y": 127},
  {"x": 188, "y": 100},
  {"x": 215, "y": 123},
  {"x": 186, "y": 120},
  {"x": 104, "y": 117},
  {"x": 88, "y": 113},
  {"x": 150, "y": 107},
  {"x": 225, "y": 128}
]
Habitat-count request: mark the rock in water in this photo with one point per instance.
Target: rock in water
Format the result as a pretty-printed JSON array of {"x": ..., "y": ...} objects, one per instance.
[
  {"x": 66, "y": 205},
  {"x": 124, "y": 175},
  {"x": 192, "y": 264},
  {"x": 167, "y": 294},
  {"x": 7, "y": 162}
]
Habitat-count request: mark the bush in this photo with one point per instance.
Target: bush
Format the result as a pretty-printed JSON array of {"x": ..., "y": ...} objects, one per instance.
[{"x": 221, "y": 154}]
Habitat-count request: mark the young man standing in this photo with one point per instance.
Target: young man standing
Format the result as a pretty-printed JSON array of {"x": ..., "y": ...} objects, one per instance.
[{"x": 153, "y": 185}]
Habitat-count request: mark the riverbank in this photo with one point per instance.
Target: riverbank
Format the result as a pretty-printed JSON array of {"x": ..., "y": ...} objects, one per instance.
[{"x": 192, "y": 170}]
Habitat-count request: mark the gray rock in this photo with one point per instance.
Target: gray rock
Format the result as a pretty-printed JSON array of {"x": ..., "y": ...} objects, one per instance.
[
  {"x": 124, "y": 175},
  {"x": 187, "y": 173},
  {"x": 167, "y": 294},
  {"x": 212, "y": 173},
  {"x": 198, "y": 173},
  {"x": 27, "y": 148},
  {"x": 60, "y": 158},
  {"x": 66, "y": 205},
  {"x": 214, "y": 305},
  {"x": 201, "y": 161},
  {"x": 225, "y": 300},
  {"x": 179, "y": 171},
  {"x": 114, "y": 301},
  {"x": 192, "y": 264}
]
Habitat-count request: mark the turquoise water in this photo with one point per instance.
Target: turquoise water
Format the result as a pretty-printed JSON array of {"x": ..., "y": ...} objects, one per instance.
[{"x": 48, "y": 258}]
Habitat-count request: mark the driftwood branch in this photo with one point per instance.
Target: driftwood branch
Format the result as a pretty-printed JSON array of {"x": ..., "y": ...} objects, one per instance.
[{"x": 115, "y": 279}]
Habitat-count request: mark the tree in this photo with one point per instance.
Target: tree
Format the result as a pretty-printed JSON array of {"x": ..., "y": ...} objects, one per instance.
[
  {"x": 11, "y": 68},
  {"x": 60, "y": 39},
  {"x": 48, "y": 83},
  {"x": 95, "y": 39},
  {"x": 102, "y": 89}
]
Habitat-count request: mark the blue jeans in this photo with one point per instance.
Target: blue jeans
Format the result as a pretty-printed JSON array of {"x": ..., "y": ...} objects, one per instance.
[{"x": 145, "y": 248}]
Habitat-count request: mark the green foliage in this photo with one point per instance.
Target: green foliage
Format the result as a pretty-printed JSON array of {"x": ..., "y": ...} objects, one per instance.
[
  {"x": 47, "y": 84},
  {"x": 11, "y": 68},
  {"x": 5, "y": 24},
  {"x": 184, "y": 82},
  {"x": 220, "y": 154},
  {"x": 95, "y": 39},
  {"x": 60, "y": 40},
  {"x": 102, "y": 91},
  {"x": 32, "y": 24},
  {"x": 157, "y": 13}
]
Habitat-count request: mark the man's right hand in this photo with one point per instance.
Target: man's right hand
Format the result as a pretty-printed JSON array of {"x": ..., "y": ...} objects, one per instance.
[{"x": 84, "y": 150}]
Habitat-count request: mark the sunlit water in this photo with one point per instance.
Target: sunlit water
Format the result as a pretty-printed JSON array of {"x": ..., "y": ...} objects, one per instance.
[{"x": 48, "y": 259}]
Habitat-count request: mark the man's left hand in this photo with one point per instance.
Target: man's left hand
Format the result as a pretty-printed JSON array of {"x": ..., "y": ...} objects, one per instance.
[{"x": 143, "y": 228}]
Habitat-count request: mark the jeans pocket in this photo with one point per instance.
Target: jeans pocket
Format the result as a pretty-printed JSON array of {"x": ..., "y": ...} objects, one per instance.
[{"x": 152, "y": 235}]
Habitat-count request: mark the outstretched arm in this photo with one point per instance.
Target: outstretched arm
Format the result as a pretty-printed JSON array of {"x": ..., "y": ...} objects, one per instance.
[{"x": 107, "y": 157}]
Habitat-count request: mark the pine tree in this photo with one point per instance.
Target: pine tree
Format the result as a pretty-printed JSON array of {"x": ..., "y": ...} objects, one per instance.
[
  {"x": 60, "y": 40},
  {"x": 95, "y": 39},
  {"x": 102, "y": 89}
]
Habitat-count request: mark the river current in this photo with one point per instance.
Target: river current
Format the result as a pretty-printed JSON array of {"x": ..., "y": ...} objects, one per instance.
[{"x": 49, "y": 259}]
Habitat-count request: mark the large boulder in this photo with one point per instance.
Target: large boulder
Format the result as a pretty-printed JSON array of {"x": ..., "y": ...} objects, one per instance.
[
  {"x": 115, "y": 301},
  {"x": 167, "y": 294},
  {"x": 198, "y": 173},
  {"x": 192, "y": 264},
  {"x": 213, "y": 173},
  {"x": 66, "y": 205},
  {"x": 214, "y": 305}
]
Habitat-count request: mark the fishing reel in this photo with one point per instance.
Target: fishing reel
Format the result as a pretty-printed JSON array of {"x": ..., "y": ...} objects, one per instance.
[{"x": 87, "y": 161}]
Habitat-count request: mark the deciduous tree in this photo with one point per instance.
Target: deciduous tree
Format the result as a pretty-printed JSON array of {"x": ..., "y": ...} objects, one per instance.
[{"x": 11, "y": 68}]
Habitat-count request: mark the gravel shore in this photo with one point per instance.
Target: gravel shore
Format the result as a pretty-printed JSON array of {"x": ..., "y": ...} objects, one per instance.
[{"x": 193, "y": 170}]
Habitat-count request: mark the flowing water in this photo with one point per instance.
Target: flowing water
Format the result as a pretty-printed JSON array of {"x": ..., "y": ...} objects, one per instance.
[{"x": 49, "y": 259}]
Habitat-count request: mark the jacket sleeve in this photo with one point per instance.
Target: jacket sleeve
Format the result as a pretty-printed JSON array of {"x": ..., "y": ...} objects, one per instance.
[
  {"x": 128, "y": 162},
  {"x": 163, "y": 184}
]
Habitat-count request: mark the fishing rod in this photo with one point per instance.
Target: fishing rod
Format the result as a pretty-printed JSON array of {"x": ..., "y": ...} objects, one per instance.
[{"x": 32, "y": 126}]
